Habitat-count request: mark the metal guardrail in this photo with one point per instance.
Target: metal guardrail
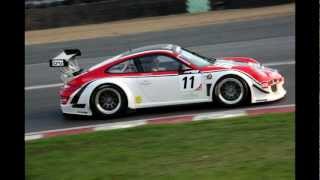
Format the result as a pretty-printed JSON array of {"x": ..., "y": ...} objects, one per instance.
[
  {"x": 42, "y": 3},
  {"x": 53, "y": 3}
]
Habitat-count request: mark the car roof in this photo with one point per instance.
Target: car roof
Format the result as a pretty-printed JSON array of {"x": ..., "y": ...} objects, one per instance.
[{"x": 170, "y": 47}]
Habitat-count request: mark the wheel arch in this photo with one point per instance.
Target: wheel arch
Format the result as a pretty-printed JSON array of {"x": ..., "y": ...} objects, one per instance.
[
  {"x": 123, "y": 103},
  {"x": 239, "y": 75},
  {"x": 87, "y": 94},
  {"x": 111, "y": 84}
]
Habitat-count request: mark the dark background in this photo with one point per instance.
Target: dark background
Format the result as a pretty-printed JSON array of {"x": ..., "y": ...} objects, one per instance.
[{"x": 78, "y": 12}]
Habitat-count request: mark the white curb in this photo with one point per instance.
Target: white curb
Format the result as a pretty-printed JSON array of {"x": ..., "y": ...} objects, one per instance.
[
  {"x": 120, "y": 125},
  {"x": 135, "y": 123},
  {"x": 211, "y": 116}
]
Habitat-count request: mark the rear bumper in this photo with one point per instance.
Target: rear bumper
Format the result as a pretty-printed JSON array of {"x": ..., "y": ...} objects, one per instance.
[
  {"x": 73, "y": 105},
  {"x": 72, "y": 109}
]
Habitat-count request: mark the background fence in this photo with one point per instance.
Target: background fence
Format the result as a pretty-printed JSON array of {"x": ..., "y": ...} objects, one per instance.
[{"x": 43, "y": 14}]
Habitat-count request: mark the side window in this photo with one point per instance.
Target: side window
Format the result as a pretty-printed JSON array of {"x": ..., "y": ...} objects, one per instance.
[
  {"x": 156, "y": 63},
  {"x": 124, "y": 67}
]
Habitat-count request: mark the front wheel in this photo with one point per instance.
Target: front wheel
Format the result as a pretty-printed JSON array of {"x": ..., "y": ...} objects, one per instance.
[
  {"x": 231, "y": 91},
  {"x": 108, "y": 100}
]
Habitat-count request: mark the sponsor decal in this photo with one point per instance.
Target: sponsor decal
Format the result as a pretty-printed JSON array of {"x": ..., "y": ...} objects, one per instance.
[
  {"x": 58, "y": 63},
  {"x": 209, "y": 76},
  {"x": 138, "y": 99},
  {"x": 199, "y": 88},
  {"x": 190, "y": 94},
  {"x": 261, "y": 100}
]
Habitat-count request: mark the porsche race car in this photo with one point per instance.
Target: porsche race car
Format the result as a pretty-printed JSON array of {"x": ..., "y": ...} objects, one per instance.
[{"x": 162, "y": 75}]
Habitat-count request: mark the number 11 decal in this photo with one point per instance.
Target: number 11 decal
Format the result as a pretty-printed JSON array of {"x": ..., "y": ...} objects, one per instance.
[
  {"x": 185, "y": 79},
  {"x": 189, "y": 82}
]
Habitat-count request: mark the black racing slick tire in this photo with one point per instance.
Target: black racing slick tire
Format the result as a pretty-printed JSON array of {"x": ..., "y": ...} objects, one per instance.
[
  {"x": 108, "y": 101},
  {"x": 231, "y": 90}
]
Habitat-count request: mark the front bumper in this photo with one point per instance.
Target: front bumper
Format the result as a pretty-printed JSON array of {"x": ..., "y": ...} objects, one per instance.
[{"x": 260, "y": 94}]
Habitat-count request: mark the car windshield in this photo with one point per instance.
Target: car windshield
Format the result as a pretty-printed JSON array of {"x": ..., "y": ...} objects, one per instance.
[{"x": 196, "y": 58}]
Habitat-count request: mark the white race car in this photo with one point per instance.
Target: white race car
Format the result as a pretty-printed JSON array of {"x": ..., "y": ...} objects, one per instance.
[{"x": 162, "y": 75}]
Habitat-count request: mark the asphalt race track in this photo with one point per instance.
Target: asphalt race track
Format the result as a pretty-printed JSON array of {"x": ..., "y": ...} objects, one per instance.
[{"x": 271, "y": 41}]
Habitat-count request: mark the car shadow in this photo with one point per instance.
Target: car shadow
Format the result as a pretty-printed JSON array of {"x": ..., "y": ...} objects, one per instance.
[{"x": 156, "y": 112}]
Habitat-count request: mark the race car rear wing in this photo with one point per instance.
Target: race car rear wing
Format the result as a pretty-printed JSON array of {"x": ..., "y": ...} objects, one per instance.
[{"x": 67, "y": 63}]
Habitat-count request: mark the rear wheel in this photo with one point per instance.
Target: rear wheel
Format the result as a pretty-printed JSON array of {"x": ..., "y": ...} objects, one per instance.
[
  {"x": 108, "y": 100},
  {"x": 231, "y": 91}
]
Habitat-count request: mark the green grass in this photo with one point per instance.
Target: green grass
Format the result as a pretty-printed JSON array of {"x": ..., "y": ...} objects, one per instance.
[{"x": 257, "y": 148}]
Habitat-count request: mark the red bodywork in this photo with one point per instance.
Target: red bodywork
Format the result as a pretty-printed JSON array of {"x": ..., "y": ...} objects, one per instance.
[{"x": 264, "y": 77}]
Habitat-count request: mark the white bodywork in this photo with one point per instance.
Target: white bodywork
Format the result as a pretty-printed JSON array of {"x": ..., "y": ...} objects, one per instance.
[{"x": 162, "y": 90}]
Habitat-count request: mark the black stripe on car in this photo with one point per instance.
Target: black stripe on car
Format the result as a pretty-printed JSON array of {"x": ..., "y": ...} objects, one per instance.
[
  {"x": 78, "y": 105},
  {"x": 76, "y": 97}
]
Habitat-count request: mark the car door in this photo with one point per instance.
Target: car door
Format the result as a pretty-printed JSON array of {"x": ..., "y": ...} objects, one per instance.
[
  {"x": 162, "y": 83},
  {"x": 191, "y": 85}
]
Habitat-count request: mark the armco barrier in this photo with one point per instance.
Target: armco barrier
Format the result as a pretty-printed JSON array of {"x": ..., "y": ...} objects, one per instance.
[{"x": 104, "y": 11}]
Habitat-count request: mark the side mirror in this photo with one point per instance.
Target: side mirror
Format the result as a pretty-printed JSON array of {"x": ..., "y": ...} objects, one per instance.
[{"x": 182, "y": 68}]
